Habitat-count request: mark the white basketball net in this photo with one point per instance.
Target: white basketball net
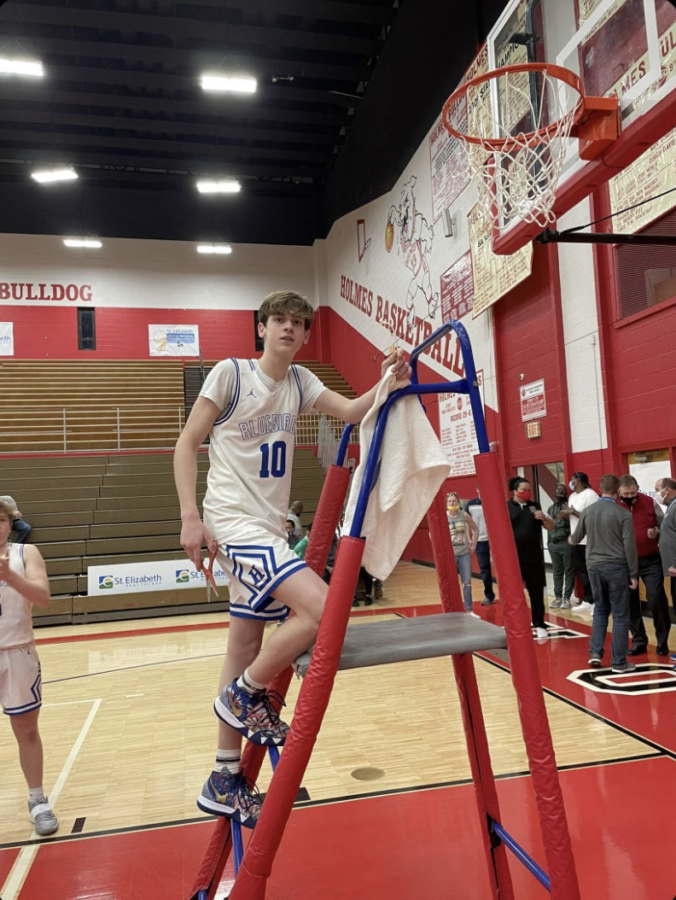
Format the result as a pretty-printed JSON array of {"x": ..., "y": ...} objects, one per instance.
[{"x": 530, "y": 115}]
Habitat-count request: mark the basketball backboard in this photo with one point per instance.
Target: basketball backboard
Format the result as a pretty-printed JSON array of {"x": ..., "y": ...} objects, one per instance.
[{"x": 625, "y": 48}]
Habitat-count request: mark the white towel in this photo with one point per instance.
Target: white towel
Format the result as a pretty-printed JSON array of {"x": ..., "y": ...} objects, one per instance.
[{"x": 413, "y": 468}]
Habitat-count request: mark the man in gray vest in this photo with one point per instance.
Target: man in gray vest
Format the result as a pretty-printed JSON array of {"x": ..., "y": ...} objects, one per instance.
[{"x": 612, "y": 561}]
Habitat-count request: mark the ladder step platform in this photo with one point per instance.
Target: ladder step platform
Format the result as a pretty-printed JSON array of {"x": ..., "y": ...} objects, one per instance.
[{"x": 423, "y": 637}]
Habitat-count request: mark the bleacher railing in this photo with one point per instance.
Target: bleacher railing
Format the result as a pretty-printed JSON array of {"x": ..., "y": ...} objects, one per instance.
[
  {"x": 66, "y": 430},
  {"x": 329, "y": 431}
]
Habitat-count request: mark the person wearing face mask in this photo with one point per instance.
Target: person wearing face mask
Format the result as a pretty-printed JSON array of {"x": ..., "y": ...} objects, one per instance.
[
  {"x": 665, "y": 493},
  {"x": 464, "y": 535},
  {"x": 581, "y": 497},
  {"x": 528, "y": 520},
  {"x": 560, "y": 550},
  {"x": 647, "y": 517},
  {"x": 613, "y": 566}
]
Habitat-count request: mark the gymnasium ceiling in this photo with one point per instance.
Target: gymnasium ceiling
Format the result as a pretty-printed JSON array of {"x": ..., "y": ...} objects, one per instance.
[{"x": 121, "y": 101}]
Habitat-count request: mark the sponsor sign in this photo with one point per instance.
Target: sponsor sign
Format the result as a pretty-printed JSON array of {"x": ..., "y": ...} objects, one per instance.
[
  {"x": 134, "y": 578},
  {"x": 174, "y": 340},
  {"x": 6, "y": 339}
]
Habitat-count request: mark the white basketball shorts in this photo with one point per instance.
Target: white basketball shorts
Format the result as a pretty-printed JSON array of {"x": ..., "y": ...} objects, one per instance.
[
  {"x": 254, "y": 569},
  {"x": 20, "y": 680}
]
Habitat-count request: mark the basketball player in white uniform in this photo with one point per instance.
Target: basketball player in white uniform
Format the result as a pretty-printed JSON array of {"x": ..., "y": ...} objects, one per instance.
[
  {"x": 23, "y": 582},
  {"x": 249, "y": 409}
]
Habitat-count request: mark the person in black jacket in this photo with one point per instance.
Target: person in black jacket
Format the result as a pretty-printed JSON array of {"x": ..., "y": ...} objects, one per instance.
[{"x": 528, "y": 520}]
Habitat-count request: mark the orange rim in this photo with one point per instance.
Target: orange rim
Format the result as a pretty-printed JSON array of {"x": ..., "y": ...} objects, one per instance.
[{"x": 558, "y": 72}]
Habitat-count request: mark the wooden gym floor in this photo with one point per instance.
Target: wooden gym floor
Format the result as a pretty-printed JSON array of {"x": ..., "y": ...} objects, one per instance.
[{"x": 129, "y": 736}]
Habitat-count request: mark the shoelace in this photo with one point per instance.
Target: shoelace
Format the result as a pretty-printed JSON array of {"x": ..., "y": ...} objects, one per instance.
[
  {"x": 247, "y": 792},
  {"x": 270, "y": 709}
]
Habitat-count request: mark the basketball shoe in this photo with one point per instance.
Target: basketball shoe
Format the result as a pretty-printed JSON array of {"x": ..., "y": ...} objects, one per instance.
[
  {"x": 233, "y": 796},
  {"x": 42, "y": 816},
  {"x": 252, "y": 714}
]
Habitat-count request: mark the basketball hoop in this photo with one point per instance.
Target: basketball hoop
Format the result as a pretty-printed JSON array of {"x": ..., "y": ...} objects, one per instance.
[{"x": 513, "y": 125}]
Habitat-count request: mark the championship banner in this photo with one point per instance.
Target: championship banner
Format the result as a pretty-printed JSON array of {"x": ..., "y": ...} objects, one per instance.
[
  {"x": 174, "y": 340},
  {"x": 599, "y": 52},
  {"x": 449, "y": 172},
  {"x": 6, "y": 339},
  {"x": 494, "y": 275},
  {"x": 134, "y": 578},
  {"x": 651, "y": 174},
  {"x": 457, "y": 289},
  {"x": 457, "y": 431}
]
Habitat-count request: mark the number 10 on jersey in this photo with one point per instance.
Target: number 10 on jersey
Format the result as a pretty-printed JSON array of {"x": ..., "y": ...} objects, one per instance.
[{"x": 273, "y": 460}]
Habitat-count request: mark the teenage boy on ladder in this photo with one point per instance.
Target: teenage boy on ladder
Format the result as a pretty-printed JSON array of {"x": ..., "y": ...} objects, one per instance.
[{"x": 249, "y": 409}]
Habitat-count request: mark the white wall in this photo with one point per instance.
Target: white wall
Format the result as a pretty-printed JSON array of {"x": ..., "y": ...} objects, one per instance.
[
  {"x": 160, "y": 274},
  {"x": 581, "y": 336}
]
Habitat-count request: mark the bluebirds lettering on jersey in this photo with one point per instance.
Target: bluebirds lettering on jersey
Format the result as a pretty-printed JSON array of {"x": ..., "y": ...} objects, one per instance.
[{"x": 267, "y": 425}]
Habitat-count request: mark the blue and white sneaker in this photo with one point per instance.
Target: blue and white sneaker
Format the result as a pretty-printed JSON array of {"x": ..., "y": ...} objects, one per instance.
[
  {"x": 252, "y": 715},
  {"x": 233, "y": 796}
]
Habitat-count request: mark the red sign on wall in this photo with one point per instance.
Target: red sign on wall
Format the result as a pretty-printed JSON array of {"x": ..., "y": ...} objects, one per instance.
[{"x": 533, "y": 402}]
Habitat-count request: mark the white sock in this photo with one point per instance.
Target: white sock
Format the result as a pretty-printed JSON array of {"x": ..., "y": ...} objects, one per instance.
[
  {"x": 228, "y": 760},
  {"x": 36, "y": 793},
  {"x": 250, "y": 686}
]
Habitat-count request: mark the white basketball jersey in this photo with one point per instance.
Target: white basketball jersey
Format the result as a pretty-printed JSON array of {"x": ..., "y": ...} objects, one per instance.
[
  {"x": 251, "y": 447},
  {"x": 16, "y": 619}
]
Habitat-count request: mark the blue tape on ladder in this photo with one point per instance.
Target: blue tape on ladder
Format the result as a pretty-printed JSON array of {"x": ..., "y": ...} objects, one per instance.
[
  {"x": 236, "y": 828},
  {"x": 237, "y": 845},
  {"x": 521, "y": 855}
]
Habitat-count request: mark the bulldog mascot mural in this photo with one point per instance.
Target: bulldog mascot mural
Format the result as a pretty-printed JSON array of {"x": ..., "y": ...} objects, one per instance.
[{"x": 415, "y": 241}]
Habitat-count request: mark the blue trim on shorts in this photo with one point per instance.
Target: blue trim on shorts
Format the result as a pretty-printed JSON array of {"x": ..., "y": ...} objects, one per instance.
[
  {"x": 36, "y": 691},
  {"x": 227, "y": 413},
  {"x": 275, "y": 617},
  {"x": 20, "y": 710},
  {"x": 256, "y": 599},
  {"x": 265, "y": 598}
]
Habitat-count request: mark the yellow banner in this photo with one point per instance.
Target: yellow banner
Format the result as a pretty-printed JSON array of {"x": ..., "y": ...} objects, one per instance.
[
  {"x": 650, "y": 175},
  {"x": 494, "y": 275}
]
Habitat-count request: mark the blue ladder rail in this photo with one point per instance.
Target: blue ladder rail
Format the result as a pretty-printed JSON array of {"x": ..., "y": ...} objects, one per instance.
[{"x": 467, "y": 385}]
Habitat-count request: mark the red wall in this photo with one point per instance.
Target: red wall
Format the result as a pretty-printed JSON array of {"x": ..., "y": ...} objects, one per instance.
[
  {"x": 639, "y": 363},
  {"x": 45, "y": 332},
  {"x": 527, "y": 339}
]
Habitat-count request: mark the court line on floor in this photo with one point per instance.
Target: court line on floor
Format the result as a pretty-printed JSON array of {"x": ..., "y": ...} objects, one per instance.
[
  {"x": 326, "y": 801},
  {"x": 144, "y": 632},
  {"x": 26, "y": 858},
  {"x": 665, "y": 751},
  {"x": 181, "y": 659},
  {"x": 159, "y": 662},
  {"x": 207, "y": 626}
]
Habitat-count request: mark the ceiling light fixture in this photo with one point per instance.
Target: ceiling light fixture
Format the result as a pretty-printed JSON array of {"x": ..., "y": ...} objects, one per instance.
[
  {"x": 83, "y": 243},
  {"x": 237, "y": 84},
  {"x": 30, "y": 67},
  {"x": 47, "y": 176},
  {"x": 222, "y": 249},
  {"x": 225, "y": 186}
]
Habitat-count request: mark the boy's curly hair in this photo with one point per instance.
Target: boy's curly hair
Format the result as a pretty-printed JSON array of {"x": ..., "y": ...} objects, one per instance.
[{"x": 286, "y": 303}]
